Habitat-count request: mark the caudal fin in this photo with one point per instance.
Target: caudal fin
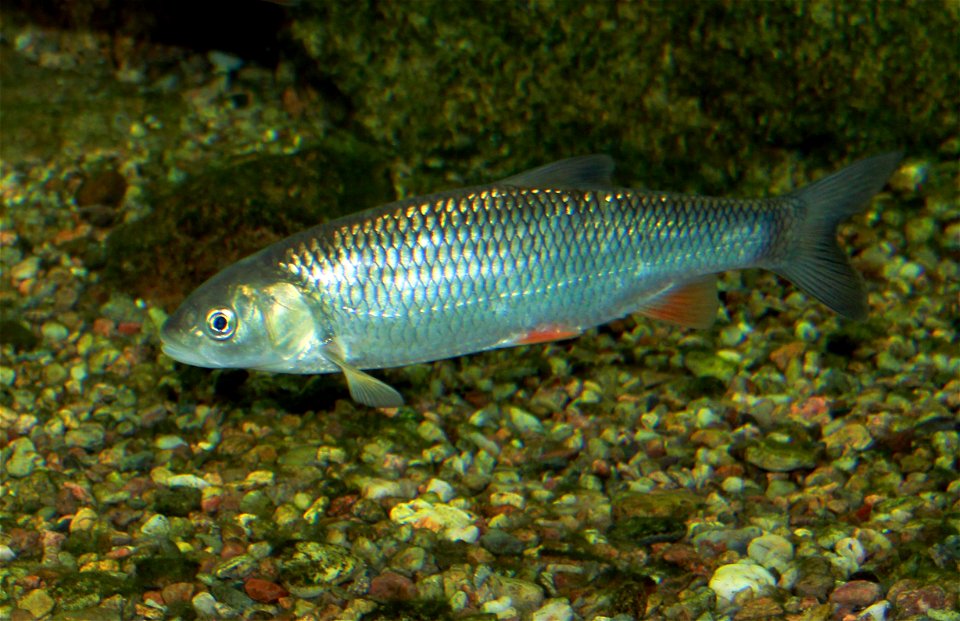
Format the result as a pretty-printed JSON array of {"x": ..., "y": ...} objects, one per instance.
[{"x": 815, "y": 263}]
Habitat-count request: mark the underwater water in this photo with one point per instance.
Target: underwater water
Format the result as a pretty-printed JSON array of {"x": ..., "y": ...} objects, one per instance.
[{"x": 784, "y": 463}]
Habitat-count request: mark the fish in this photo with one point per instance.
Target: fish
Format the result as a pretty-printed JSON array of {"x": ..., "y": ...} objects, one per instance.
[{"x": 537, "y": 257}]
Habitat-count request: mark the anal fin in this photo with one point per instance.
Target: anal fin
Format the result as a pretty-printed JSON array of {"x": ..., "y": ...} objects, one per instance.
[
  {"x": 545, "y": 334},
  {"x": 693, "y": 303}
]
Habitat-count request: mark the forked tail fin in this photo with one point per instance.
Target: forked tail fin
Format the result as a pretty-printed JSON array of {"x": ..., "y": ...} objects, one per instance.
[{"x": 815, "y": 263}]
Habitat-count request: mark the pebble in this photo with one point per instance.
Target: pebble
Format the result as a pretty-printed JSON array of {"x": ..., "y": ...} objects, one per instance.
[
  {"x": 236, "y": 567},
  {"x": 84, "y": 519},
  {"x": 205, "y": 604},
  {"x": 169, "y": 442},
  {"x": 774, "y": 455},
  {"x": 54, "y": 332},
  {"x": 522, "y": 594},
  {"x": 156, "y": 526},
  {"x": 441, "y": 488},
  {"x": 846, "y": 435},
  {"x": 25, "y": 269},
  {"x": 875, "y": 612},
  {"x": 452, "y": 523},
  {"x": 89, "y": 436},
  {"x": 23, "y": 458},
  {"x": 729, "y": 580},
  {"x": 313, "y": 567},
  {"x": 771, "y": 551},
  {"x": 187, "y": 480},
  {"x": 501, "y": 543},
  {"x": 856, "y": 594},
  {"x": 554, "y": 610},
  {"x": 264, "y": 591},
  {"x": 525, "y": 422},
  {"x": 38, "y": 602},
  {"x": 391, "y": 586}
]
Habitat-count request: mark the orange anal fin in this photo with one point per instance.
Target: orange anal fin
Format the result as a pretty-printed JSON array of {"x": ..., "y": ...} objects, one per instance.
[
  {"x": 693, "y": 304},
  {"x": 546, "y": 334}
]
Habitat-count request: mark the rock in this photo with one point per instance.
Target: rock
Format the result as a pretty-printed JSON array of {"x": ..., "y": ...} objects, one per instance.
[
  {"x": 84, "y": 519},
  {"x": 264, "y": 591},
  {"x": 856, "y": 594},
  {"x": 177, "y": 592},
  {"x": 523, "y": 595},
  {"x": 848, "y": 436},
  {"x": 910, "y": 602},
  {"x": 157, "y": 526},
  {"x": 554, "y": 610},
  {"x": 730, "y": 580},
  {"x": 814, "y": 578},
  {"x": 501, "y": 543},
  {"x": 771, "y": 551},
  {"x": 89, "y": 436},
  {"x": 204, "y": 604},
  {"x": 314, "y": 567},
  {"x": 38, "y": 602},
  {"x": 54, "y": 332},
  {"x": 709, "y": 364},
  {"x": 450, "y": 522},
  {"x": 23, "y": 458},
  {"x": 235, "y": 567},
  {"x": 390, "y": 586},
  {"x": 775, "y": 455}
]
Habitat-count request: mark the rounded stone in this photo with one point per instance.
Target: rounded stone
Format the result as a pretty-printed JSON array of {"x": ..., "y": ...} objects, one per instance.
[
  {"x": 730, "y": 580},
  {"x": 771, "y": 551},
  {"x": 856, "y": 594}
]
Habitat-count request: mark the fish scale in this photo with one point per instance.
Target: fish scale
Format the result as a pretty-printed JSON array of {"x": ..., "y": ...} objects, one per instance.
[
  {"x": 540, "y": 256},
  {"x": 492, "y": 264}
]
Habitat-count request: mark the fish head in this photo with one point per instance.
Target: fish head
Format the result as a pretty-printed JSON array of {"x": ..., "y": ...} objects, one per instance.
[{"x": 243, "y": 318}]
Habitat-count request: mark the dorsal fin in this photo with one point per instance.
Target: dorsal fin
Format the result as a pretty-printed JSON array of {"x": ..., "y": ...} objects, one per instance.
[{"x": 581, "y": 173}]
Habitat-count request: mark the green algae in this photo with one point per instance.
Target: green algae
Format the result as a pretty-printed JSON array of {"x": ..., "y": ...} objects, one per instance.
[
  {"x": 192, "y": 229},
  {"x": 679, "y": 86}
]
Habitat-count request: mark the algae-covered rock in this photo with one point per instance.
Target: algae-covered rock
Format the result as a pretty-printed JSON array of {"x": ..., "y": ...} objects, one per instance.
[
  {"x": 314, "y": 567},
  {"x": 227, "y": 212}
]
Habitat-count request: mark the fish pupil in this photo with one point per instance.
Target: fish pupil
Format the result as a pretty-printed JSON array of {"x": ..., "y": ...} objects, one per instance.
[{"x": 220, "y": 323}]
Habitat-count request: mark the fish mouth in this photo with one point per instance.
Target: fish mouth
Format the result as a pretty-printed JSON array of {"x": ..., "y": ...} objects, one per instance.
[{"x": 186, "y": 355}]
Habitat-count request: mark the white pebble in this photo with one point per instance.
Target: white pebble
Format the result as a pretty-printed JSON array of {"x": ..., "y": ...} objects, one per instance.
[
  {"x": 441, "y": 488},
  {"x": 554, "y": 610},
  {"x": 875, "y": 612},
  {"x": 187, "y": 480},
  {"x": 204, "y": 604},
  {"x": 852, "y": 549},
  {"x": 157, "y": 526},
  {"x": 729, "y": 580}
]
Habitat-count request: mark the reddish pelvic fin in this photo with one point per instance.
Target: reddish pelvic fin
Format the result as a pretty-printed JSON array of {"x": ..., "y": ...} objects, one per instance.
[
  {"x": 693, "y": 304},
  {"x": 546, "y": 334}
]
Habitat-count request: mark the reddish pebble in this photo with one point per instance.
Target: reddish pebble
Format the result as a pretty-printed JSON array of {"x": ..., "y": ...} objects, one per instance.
[
  {"x": 390, "y": 586},
  {"x": 856, "y": 594},
  {"x": 231, "y": 549},
  {"x": 782, "y": 356},
  {"x": 153, "y": 596},
  {"x": 264, "y": 591},
  {"x": 102, "y": 326},
  {"x": 128, "y": 328},
  {"x": 177, "y": 592}
]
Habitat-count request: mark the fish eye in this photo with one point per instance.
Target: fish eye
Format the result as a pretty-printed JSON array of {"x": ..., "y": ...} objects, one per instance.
[{"x": 221, "y": 323}]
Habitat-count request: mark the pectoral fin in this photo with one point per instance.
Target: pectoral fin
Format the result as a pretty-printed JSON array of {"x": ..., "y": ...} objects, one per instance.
[{"x": 364, "y": 388}]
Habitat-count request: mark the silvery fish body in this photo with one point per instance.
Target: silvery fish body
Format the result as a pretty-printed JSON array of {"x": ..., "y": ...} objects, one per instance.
[{"x": 540, "y": 256}]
